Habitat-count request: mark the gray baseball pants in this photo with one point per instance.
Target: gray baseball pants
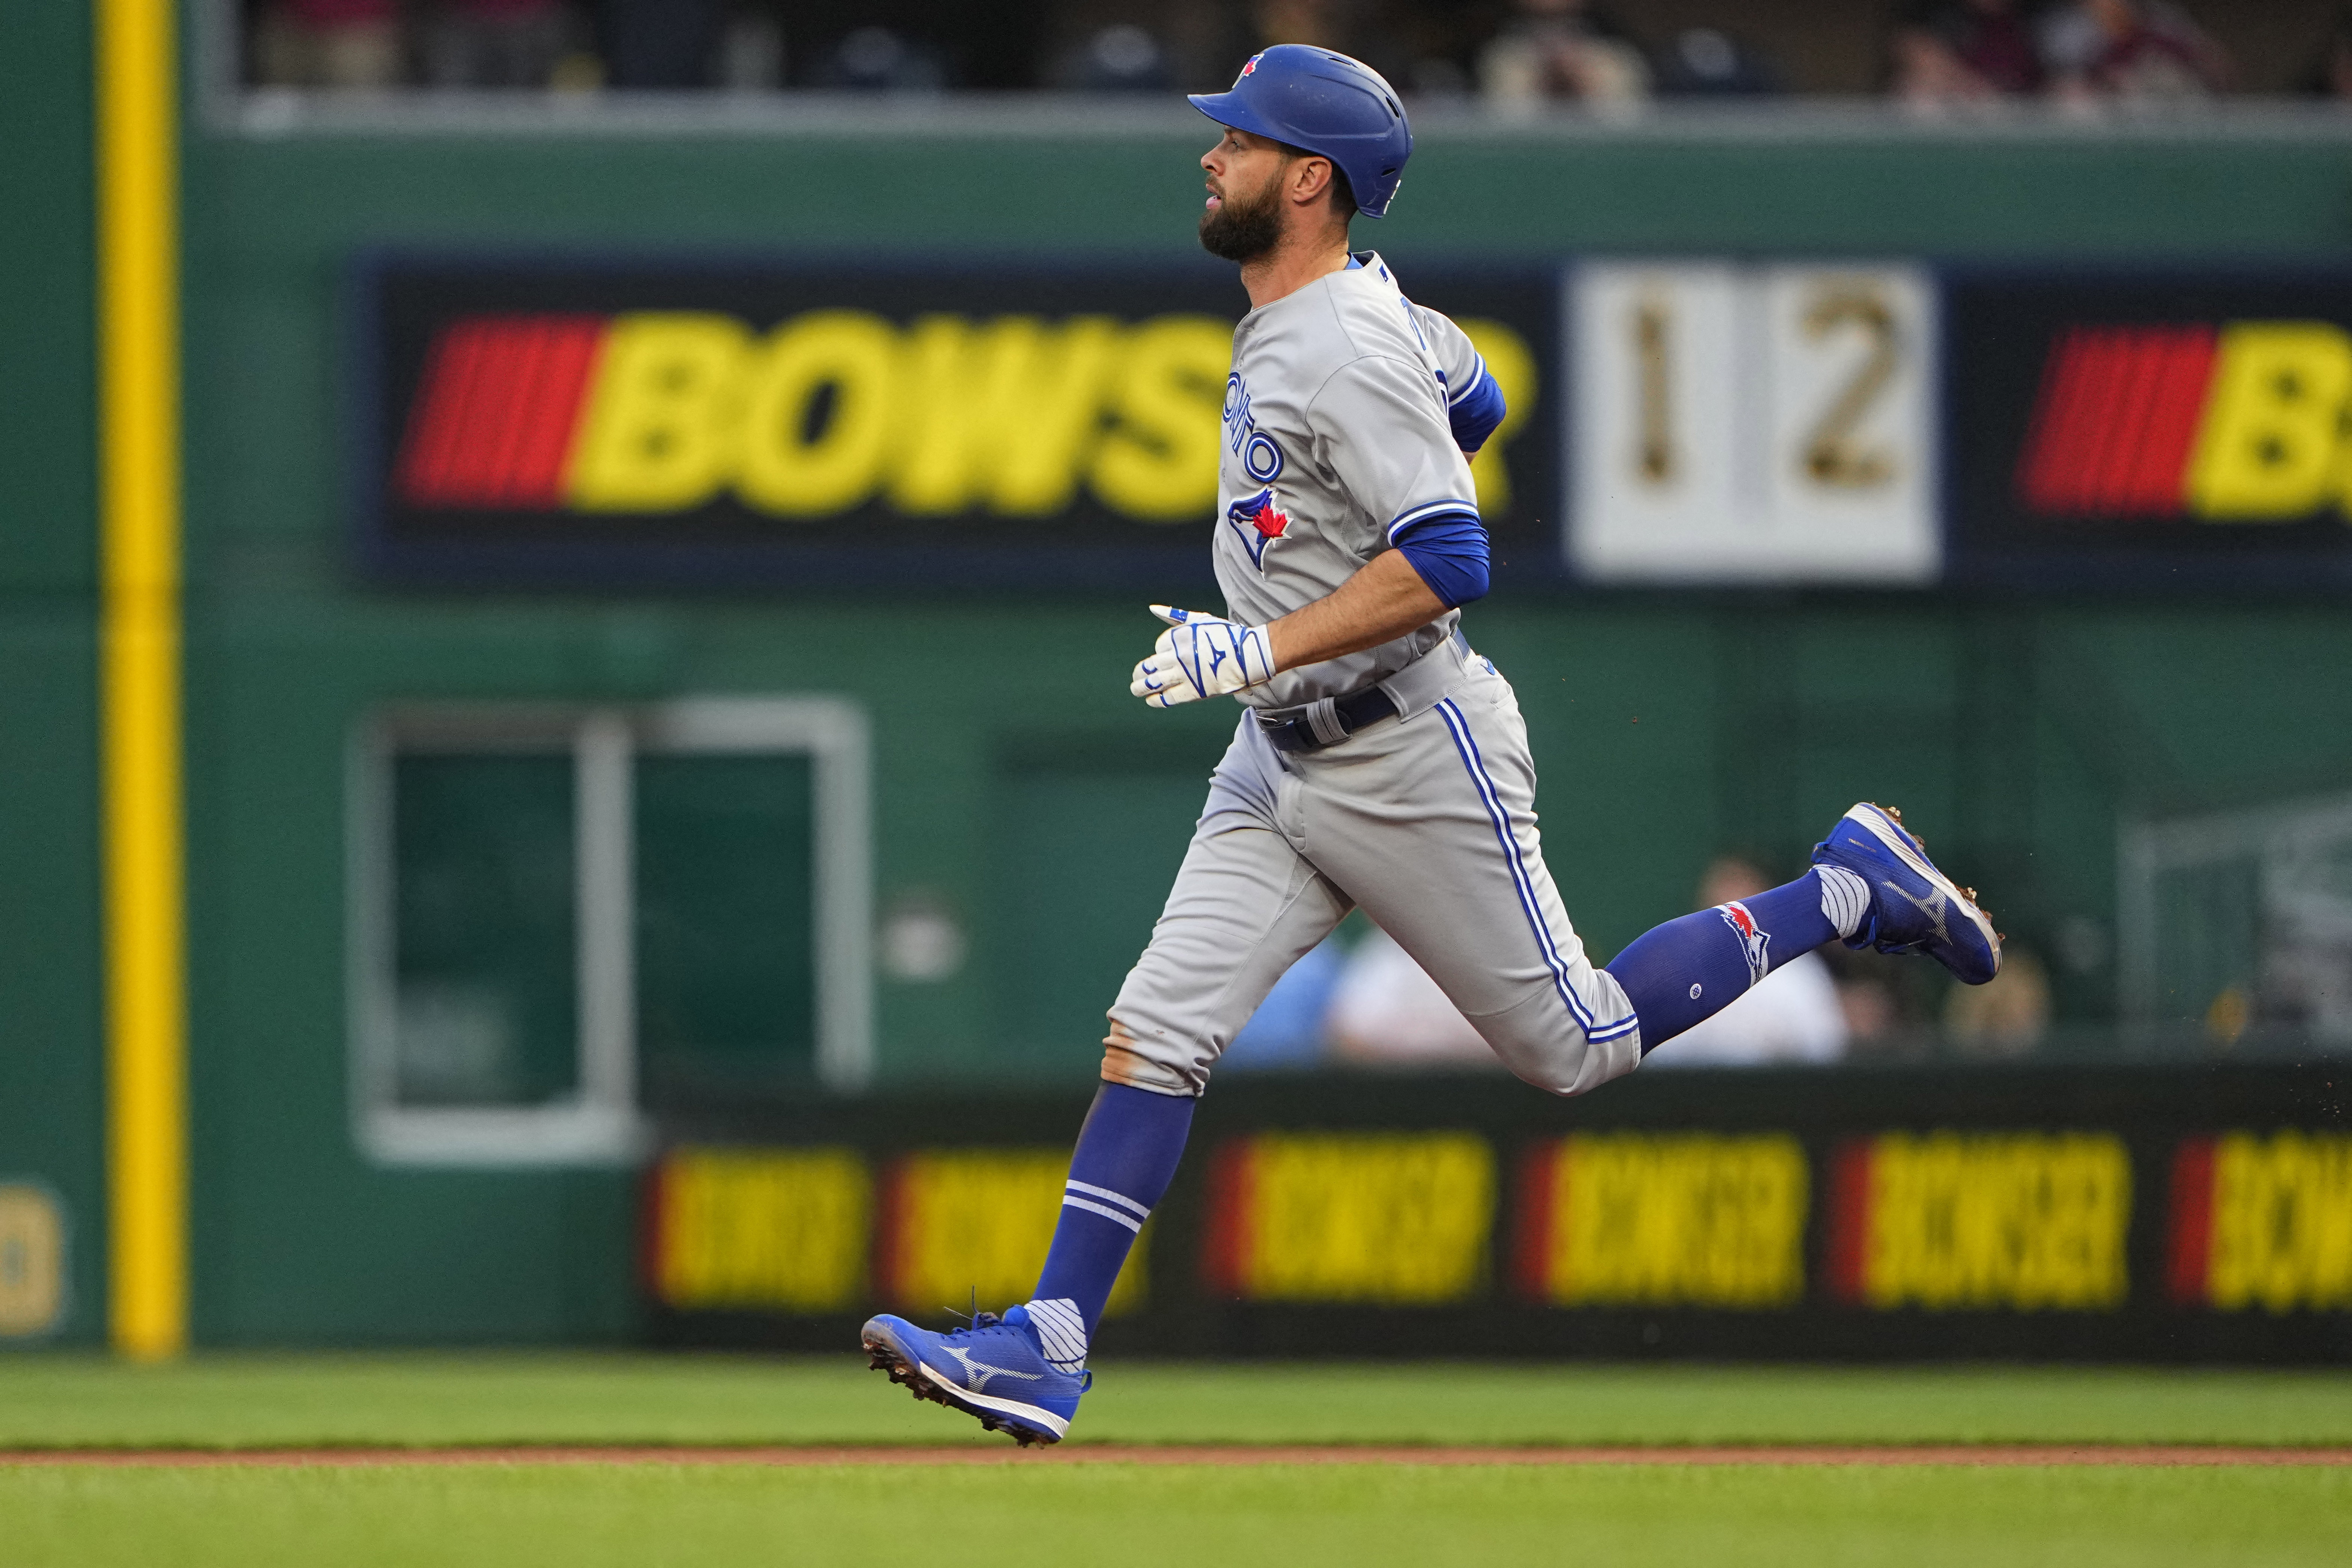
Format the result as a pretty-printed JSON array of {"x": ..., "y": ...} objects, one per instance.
[{"x": 1427, "y": 821}]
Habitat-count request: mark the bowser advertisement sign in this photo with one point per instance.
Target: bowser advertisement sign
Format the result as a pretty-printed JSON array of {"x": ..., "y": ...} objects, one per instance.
[
  {"x": 784, "y": 423},
  {"x": 789, "y": 423},
  {"x": 2189, "y": 428},
  {"x": 2044, "y": 1212}
]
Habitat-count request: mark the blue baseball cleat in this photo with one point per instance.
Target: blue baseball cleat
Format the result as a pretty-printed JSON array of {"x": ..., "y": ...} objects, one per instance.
[
  {"x": 996, "y": 1369},
  {"x": 1913, "y": 908}
]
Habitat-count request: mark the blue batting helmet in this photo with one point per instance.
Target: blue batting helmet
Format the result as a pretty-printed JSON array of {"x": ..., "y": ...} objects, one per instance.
[{"x": 1327, "y": 104}]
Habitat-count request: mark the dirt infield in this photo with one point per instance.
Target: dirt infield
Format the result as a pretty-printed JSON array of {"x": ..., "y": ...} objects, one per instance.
[{"x": 1963, "y": 1454}]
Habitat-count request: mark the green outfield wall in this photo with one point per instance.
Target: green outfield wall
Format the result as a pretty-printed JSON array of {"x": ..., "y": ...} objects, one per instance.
[
  {"x": 1026, "y": 793},
  {"x": 50, "y": 1079},
  {"x": 1029, "y": 791}
]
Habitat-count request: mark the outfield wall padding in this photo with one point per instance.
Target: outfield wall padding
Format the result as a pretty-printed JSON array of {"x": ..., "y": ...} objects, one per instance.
[{"x": 1897, "y": 1213}]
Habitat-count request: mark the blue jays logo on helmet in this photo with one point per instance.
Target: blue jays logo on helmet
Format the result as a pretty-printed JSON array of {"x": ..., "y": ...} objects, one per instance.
[{"x": 1249, "y": 64}]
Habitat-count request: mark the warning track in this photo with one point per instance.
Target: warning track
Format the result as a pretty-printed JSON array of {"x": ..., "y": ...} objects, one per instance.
[{"x": 1958, "y": 1455}]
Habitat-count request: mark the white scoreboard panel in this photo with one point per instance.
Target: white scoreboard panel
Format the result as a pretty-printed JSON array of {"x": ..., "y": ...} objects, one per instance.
[{"x": 1745, "y": 423}]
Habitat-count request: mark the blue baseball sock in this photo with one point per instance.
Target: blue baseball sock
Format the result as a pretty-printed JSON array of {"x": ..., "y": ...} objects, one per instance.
[
  {"x": 1687, "y": 969},
  {"x": 1126, "y": 1156}
]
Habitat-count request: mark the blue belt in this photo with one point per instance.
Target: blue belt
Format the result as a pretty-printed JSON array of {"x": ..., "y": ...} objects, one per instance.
[{"x": 1327, "y": 722}]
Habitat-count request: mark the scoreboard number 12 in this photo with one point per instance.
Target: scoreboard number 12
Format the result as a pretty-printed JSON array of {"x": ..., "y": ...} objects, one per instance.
[{"x": 1752, "y": 423}]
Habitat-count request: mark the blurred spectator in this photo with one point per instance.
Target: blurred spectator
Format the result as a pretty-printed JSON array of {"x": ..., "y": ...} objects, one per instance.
[
  {"x": 660, "y": 43},
  {"x": 1431, "y": 45},
  {"x": 1121, "y": 57},
  {"x": 1357, "y": 28},
  {"x": 1323, "y": 22},
  {"x": 1793, "y": 1014},
  {"x": 2330, "y": 73},
  {"x": 1963, "y": 51},
  {"x": 1565, "y": 50},
  {"x": 329, "y": 43},
  {"x": 1891, "y": 1007},
  {"x": 1705, "y": 62},
  {"x": 1386, "y": 1011},
  {"x": 751, "y": 52},
  {"x": 2007, "y": 1014},
  {"x": 877, "y": 59},
  {"x": 498, "y": 43},
  {"x": 1287, "y": 1030},
  {"x": 2136, "y": 50},
  {"x": 1867, "y": 1004}
]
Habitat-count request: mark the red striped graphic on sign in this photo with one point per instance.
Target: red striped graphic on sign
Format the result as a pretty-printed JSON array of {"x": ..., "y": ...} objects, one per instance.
[
  {"x": 890, "y": 1217},
  {"x": 1229, "y": 1243},
  {"x": 2191, "y": 1250},
  {"x": 2116, "y": 421},
  {"x": 1532, "y": 1238},
  {"x": 495, "y": 410},
  {"x": 1847, "y": 1263}
]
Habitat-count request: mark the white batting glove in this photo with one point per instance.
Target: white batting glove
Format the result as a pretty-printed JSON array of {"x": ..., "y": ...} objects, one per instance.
[{"x": 1201, "y": 656}]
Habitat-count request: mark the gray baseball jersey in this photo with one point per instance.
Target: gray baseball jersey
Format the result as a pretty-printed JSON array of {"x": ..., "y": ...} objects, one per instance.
[
  {"x": 1335, "y": 435},
  {"x": 1337, "y": 431}
]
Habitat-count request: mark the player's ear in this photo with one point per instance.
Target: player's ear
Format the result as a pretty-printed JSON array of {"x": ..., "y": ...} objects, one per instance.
[{"x": 1310, "y": 180}]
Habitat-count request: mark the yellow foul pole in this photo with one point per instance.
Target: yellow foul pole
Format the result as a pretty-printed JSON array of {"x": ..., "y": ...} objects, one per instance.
[{"x": 138, "y": 501}]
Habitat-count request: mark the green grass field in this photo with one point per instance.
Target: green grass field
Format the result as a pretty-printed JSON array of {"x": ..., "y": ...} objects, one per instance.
[
  {"x": 1184, "y": 1516},
  {"x": 515, "y": 1514},
  {"x": 253, "y": 1400}
]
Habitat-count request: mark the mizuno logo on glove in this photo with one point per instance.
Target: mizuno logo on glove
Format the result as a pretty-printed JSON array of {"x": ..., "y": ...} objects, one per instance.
[{"x": 1201, "y": 656}]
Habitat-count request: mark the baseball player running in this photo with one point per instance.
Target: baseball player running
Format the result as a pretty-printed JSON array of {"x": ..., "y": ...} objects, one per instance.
[{"x": 1378, "y": 763}]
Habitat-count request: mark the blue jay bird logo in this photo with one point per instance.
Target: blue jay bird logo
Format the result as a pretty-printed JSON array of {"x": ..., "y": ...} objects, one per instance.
[{"x": 1258, "y": 522}]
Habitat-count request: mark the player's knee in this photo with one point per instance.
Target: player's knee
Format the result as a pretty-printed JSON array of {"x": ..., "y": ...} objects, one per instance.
[
  {"x": 1141, "y": 1061},
  {"x": 1554, "y": 1072},
  {"x": 1544, "y": 1045},
  {"x": 1552, "y": 1063}
]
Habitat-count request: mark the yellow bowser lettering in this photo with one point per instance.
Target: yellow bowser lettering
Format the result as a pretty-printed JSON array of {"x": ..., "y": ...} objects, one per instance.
[
  {"x": 943, "y": 418},
  {"x": 801, "y": 458},
  {"x": 834, "y": 408},
  {"x": 782, "y": 1228},
  {"x": 1159, "y": 461},
  {"x": 656, "y": 435},
  {"x": 1054, "y": 376},
  {"x": 1513, "y": 367},
  {"x": 2281, "y": 1222},
  {"x": 2020, "y": 1220},
  {"x": 999, "y": 415},
  {"x": 2269, "y": 449},
  {"x": 1388, "y": 1217}
]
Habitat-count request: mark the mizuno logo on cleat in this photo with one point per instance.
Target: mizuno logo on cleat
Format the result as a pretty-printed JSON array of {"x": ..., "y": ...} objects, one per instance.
[
  {"x": 978, "y": 1373},
  {"x": 1935, "y": 906}
]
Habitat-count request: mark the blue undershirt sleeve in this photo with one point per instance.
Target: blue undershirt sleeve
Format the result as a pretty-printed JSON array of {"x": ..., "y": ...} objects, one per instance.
[
  {"x": 1449, "y": 551},
  {"x": 1477, "y": 412}
]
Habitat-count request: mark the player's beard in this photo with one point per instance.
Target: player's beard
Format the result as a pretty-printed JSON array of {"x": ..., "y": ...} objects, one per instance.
[{"x": 1244, "y": 230}]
